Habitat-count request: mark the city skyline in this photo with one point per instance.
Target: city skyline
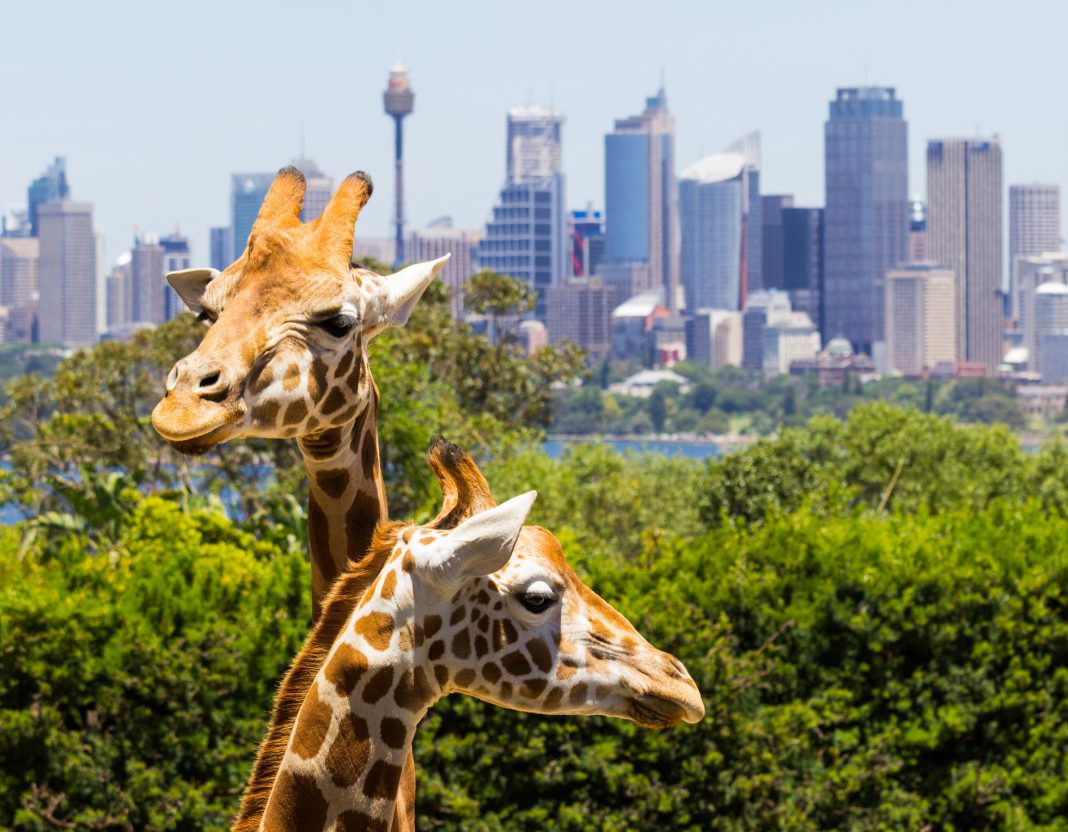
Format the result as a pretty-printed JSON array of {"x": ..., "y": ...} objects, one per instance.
[{"x": 199, "y": 122}]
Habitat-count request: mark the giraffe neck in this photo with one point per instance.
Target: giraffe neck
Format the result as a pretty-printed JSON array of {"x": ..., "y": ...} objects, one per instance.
[
  {"x": 346, "y": 493},
  {"x": 347, "y": 756}
]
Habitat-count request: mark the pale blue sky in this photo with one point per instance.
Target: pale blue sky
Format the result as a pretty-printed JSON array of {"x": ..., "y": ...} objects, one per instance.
[{"x": 154, "y": 105}]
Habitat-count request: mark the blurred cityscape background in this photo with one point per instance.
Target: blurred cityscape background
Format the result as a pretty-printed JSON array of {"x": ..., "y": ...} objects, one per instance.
[{"x": 960, "y": 272}]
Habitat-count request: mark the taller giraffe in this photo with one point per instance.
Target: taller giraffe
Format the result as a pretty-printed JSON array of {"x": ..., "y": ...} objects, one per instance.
[{"x": 285, "y": 355}]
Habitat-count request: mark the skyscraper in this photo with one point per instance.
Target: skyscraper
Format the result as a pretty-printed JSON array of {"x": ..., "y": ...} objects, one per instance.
[
  {"x": 771, "y": 242},
  {"x": 67, "y": 275},
  {"x": 534, "y": 148},
  {"x": 719, "y": 214},
  {"x": 147, "y": 283},
  {"x": 526, "y": 237},
  {"x": 802, "y": 275},
  {"x": 19, "y": 262},
  {"x": 964, "y": 234},
  {"x": 920, "y": 318},
  {"x": 176, "y": 257},
  {"x": 641, "y": 209},
  {"x": 51, "y": 186},
  {"x": 1034, "y": 226},
  {"x": 399, "y": 101},
  {"x": 247, "y": 191},
  {"x": 866, "y": 220},
  {"x": 221, "y": 247}
]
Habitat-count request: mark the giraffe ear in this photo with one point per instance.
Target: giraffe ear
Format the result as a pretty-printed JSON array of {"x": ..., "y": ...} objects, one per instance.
[
  {"x": 400, "y": 292},
  {"x": 190, "y": 285},
  {"x": 480, "y": 545}
]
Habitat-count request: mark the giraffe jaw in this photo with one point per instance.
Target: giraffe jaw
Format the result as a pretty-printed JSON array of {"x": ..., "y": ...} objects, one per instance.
[{"x": 195, "y": 428}]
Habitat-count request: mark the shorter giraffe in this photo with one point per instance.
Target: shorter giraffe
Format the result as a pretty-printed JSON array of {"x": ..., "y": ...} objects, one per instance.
[{"x": 473, "y": 602}]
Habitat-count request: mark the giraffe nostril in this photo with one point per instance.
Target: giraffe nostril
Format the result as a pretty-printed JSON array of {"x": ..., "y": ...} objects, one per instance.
[{"x": 209, "y": 381}]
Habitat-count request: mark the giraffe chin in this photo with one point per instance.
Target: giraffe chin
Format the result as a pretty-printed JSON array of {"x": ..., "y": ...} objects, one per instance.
[
  {"x": 200, "y": 445},
  {"x": 653, "y": 712}
]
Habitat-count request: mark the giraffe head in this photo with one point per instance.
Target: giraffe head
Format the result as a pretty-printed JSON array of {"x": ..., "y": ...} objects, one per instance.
[
  {"x": 288, "y": 325},
  {"x": 496, "y": 612},
  {"x": 473, "y": 602}
]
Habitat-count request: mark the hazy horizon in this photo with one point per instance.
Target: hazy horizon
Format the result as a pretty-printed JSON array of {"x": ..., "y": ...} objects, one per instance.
[{"x": 155, "y": 112}]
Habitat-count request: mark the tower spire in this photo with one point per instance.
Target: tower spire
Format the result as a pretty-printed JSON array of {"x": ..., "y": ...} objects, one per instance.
[{"x": 399, "y": 101}]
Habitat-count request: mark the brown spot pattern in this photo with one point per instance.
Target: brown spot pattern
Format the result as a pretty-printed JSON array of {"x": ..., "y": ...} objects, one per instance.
[
  {"x": 377, "y": 628},
  {"x": 431, "y": 624},
  {"x": 382, "y": 780},
  {"x": 378, "y": 685},
  {"x": 394, "y": 732},
  {"x": 348, "y": 756},
  {"x": 389, "y": 583},
  {"x": 296, "y": 804},
  {"x": 413, "y": 691},
  {"x": 345, "y": 669},
  {"x": 312, "y": 725},
  {"x": 490, "y": 672},
  {"x": 353, "y": 821},
  {"x": 539, "y": 652},
  {"x": 461, "y": 645},
  {"x": 334, "y": 401},
  {"x": 333, "y": 482},
  {"x": 295, "y": 413},
  {"x": 516, "y": 663}
]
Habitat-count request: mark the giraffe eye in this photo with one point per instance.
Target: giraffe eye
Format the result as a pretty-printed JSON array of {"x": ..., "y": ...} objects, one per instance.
[
  {"x": 205, "y": 317},
  {"x": 338, "y": 326},
  {"x": 537, "y": 597}
]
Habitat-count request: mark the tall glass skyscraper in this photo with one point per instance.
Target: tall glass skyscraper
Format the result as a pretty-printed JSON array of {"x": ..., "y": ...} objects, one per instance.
[
  {"x": 51, "y": 186},
  {"x": 866, "y": 222},
  {"x": 247, "y": 192},
  {"x": 641, "y": 211},
  {"x": 719, "y": 214},
  {"x": 527, "y": 235}
]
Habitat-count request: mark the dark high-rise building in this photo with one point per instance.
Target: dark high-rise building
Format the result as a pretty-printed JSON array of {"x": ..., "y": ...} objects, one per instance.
[
  {"x": 399, "y": 101},
  {"x": 526, "y": 238},
  {"x": 771, "y": 208},
  {"x": 866, "y": 220},
  {"x": 641, "y": 208},
  {"x": 51, "y": 186},
  {"x": 247, "y": 192},
  {"x": 221, "y": 247},
  {"x": 802, "y": 248},
  {"x": 964, "y": 221}
]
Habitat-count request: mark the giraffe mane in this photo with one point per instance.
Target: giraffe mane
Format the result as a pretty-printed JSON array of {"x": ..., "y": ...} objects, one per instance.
[{"x": 343, "y": 598}]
